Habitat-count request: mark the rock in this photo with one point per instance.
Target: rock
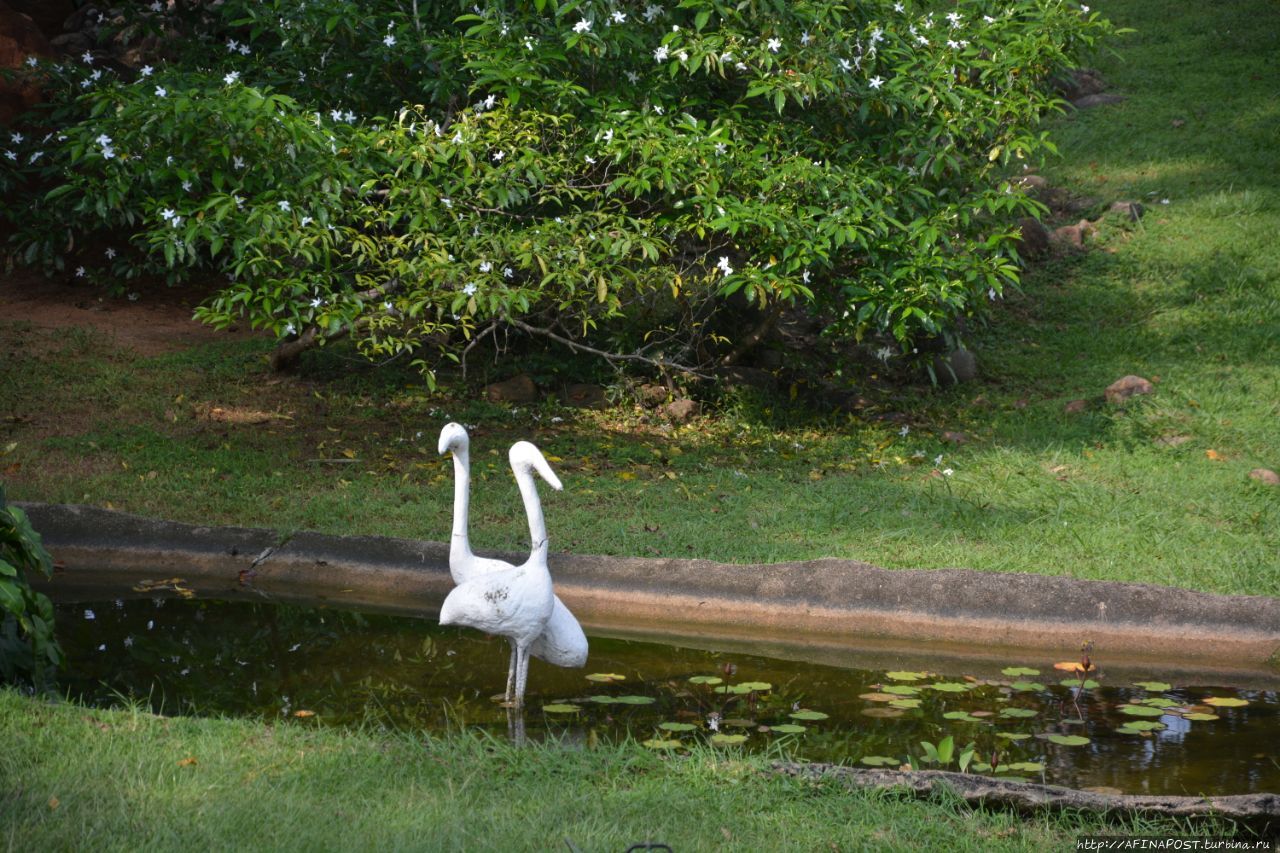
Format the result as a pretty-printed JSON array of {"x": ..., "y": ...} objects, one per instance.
[
  {"x": 748, "y": 377},
  {"x": 1097, "y": 100},
  {"x": 681, "y": 411},
  {"x": 48, "y": 15},
  {"x": 584, "y": 396},
  {"x": 1072, "y": 236},
  {"x": 1130, "y": 210},
  {"x": 955, "y": 367},
  {"x": 955, "y": 437},
  {"x": 19, "y": 38},
  {"x": 1035, "y": 237},
  {"x": 1075, "y": 407},
  {"x": 517, "y": 389},
  {"x": 1265, "y": 476},
  {"x": 1079, "y": 82},
  {"x": 651, "y": 395},
  {"x": 1127, "y": 386},
  {"x": 1030, "y": 182}
]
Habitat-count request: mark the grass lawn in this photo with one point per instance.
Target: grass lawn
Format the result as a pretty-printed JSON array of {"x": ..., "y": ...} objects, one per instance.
[
  {"x": 133, "y": 781},
  {"x": 1189, "y": 298}
]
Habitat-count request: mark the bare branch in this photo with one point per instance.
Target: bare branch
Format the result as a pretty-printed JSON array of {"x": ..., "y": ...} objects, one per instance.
[{"x": 611, "y": 357}]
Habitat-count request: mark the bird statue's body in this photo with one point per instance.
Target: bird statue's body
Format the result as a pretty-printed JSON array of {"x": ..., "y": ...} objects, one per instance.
[{"x": 497, "y": 597}]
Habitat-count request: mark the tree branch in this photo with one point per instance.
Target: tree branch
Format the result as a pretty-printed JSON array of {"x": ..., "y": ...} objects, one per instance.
[{"x": 608, "y": 356}]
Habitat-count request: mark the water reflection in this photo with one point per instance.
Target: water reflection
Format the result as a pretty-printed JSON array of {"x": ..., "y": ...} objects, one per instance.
[{"x": 328, "y": 667}]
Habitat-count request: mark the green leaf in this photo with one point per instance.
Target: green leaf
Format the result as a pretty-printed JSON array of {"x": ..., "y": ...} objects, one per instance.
[
  {"x": 563, "y": 708},
  {"x": 1154, "y": 686},
  {"x": 879, "y": 761},
  {"x": 677, "y": 727},
  {"x": 808, "y": 715},
  {"x": 1067, "y": 740}
]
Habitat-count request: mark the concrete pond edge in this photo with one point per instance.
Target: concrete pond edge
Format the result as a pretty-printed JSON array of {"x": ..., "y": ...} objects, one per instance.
[
  {"x": 825, "y": 610},
  {"x": 1258, "y": 812}
]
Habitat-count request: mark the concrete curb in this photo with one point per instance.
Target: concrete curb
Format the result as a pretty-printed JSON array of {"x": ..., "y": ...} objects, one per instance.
[
  {"x": 825, "y": 610},
  {"x": 1260, "y": 812}
]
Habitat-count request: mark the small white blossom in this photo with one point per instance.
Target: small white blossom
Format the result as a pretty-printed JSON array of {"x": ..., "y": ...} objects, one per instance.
[
  {"x": 110, "y": 253},
  {"x": 661, "y": 53},
  {"x": 904, "y": 431},
  {"x": 721, "y": 148},
  {"x": 485, "y": 266},
  {"x": 937, "y": 460},
  {"x": 32, "y": 62},
  {"x": 774, "y": 45},
  {"x": 723, "y": 264},
  {"x": 652, "y": 12},
  {"x": 498, "y": 156},
  {"x": 244, "y": 50},
  {"x": 884, "y": 354},
  {"x": 11, "y": 155},
  {"x": 470, "y": 288},
  {"x": 289, "y": 329},
  {"x": 232, "y": 46},
  {"x": 87, "y": 57},
  {"x": 947, "y": 472},
  {"x": 186, "y": 186},
  {"x": 237, "y": 161},
  {"x": 805, "y": 38},
  {"x": 283, "y": 204},
  {"x": 621, "y": 17},
  {"x": 508, "y": 272},
  {"x": 135, "y": 296},
  {"x": 231, "y": 77},
  {"x": 317, "y": 302},
  {"x": 161, "y": 91},
  {"x": 306, "y": 220},
  {"x": 583, "y": 26},
  {"x": 145, "y": 71},
  {"x": 389, "y": 40},
  {"x": 899, "y": 8},
  {"x": 633, "y": 77},
  {"x": 167, "y": 214},
  {"x": 876, "y": 82},
  {"x": 89, "y": 614}
]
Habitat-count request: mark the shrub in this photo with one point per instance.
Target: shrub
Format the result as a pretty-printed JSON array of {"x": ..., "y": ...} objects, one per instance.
[
  {"x": 28, "y": 650},
  {"x": 620, "y": 176}
]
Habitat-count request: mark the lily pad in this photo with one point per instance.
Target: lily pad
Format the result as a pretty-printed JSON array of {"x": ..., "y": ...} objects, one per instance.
[
  {"x": 1026, "y": 766},
  {"x": 561, "y": 708},
  {"x": 745, "y": 688},
  {"x": 1200, "y": 717},
  {"x": 1015, "y": 671},
  {"x": 662, "y": 743},
  {"x": 677, "y": 727},
  {"x": 1154, "y": 686},
  {"x": 949, "y": 686},
  {"x": 721, "y": 739},
  {"x": 788, "y": 729},
  {"x": 1067, "y": 740},
  {"x": 805, "y": 714},
  {"x": 606, "y": 677},
  {"x": 603, "y": 700},
  {"x": 1157, "y": 702},
  {"x": 1087, "y": 684},
  {"x": 1143, "y": 726},
  {"x": 900, "y": 689},
  {"x": 1015, "y": 736},
  {"x": 1018, "y": 713},
  {"x": 635, "y": 700},
  {"x": 1127, "y": 729},
  {"x": 1027, "y": 685},
  {"x": 963, "y": 716},
  {"x": 1141, "y": 711},
  {"x": 881, "y": 713},
  {"x": 706, "y": 679},
  {"x": 904, "y": 676},
  {"x": 905, "y": 703},
  {"x": 1225, "y": 702},
  {"x": 877, "y": 697},
  {"x": 879, "y": 761}
]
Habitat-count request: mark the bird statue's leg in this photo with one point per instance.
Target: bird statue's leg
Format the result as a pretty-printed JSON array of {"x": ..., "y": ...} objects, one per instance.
[
  {"x": 511, "y": 671},
  {"x": 522, "y": 675}
]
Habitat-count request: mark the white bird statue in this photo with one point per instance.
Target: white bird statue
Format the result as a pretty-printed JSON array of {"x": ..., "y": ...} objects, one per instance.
[{"x": 500, "y": 598}]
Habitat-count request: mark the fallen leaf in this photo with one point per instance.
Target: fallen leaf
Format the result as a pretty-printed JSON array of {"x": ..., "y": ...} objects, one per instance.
[
  {"x": 187, "y": 762},
  {"x": 1214, "y": 455},
  {"x": 1073, "y": 666},
  {"x": 53, "y": 803},
  {"x": 304, "y": 714}
]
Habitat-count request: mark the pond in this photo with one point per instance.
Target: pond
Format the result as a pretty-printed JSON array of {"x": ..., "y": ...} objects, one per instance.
[{"x": 335, "y": 667}]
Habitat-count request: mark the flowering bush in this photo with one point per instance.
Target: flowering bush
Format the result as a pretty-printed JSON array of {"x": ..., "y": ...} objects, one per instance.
[
  {"x": 606, "y": 174},
  {"x": 28, "y": 650}
]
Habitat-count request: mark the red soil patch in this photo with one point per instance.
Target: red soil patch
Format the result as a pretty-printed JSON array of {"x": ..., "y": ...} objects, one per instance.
[{"x": 159, "y": 321}]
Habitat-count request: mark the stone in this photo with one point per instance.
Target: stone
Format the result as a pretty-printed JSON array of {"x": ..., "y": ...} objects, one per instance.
[
  {"x": 955, "y": 367},
  {"x": 1265, "y": 476},
  {"x": 48, "y": 15},
  {"x": 1127, "y": 386},
  {"x": 517, "y": 389},
  {"x": 1079, "y": 83},
  {"x": 681, "y": 411},
  {"x": 19, "y": 38},
  {"x": 651, "y": 395},
  {"x": 1072, "y": 236},
  {"x": 1075, "y": 407},
  {"x": 1098, "y": 100},
  {"x": 584, "y": 395},
  {"x": 1035, "y": 237},
  {"x": 1030, "y": 182},
  {"x": 1172, "y": 440},
  {"x": 1130, "y": 210}
]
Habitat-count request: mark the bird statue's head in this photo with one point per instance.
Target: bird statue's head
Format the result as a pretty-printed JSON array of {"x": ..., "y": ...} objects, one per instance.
[
  {"x": 524, "y": 455},
  {"x": 453, "y": 439}
]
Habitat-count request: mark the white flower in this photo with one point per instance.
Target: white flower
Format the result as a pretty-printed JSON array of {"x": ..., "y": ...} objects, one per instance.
[
  {"x": 988, "y": 19},
  {"x": 80, "y": 274},
  {"x": 237, "y": 161},
  {"x": 508, "y": 272},
  {"x": 633, "y": 77},
  {"x": 683, "y": 56},
  {"x": 317, "y": 302},
  {"x": 845, "y": 65},
  {"x": 161, "y": 91},
  {"x": 947, "y": 472},
  {"x": 583, "y": 26},
  {"x": 470, "y": 288},
  {"x": 1084, "y": 9},
  {"x": 157, "y": 6},
  {"x": 661, "y": 53},
  {"x": 774, "y": 44},
  {"x": 937, "y": 460},
  {"x": 490, "y": 101},
  {"x": 349, "y": 117},
  {"x": 110, "y": 253},
  {"x": 884, "y": 354},
  {"x": 485, "y": 266},
  {"x": 805, "y": 276},
  {"x": 186, "y": 186},
  {"x": 36, "y": 156},
  {"x": 447, "y": 202},
  {"x": 991, "y": 294},
  {"x": 457, "y": 137},
  {"x": 145, "y": 71},
  {"x": 89, "y": 614},
  {"x": 954, "y": 18},
  {"x": 151, "y": 623},
  {"x": 903, "y": 432},
  {"x": 167, "y": 214},
  {"x": 721, "y": 148},
  {"x": 103, "y": 140},
  {"x": 805, "y": 38},
  {"x": 898, "y": 7},
  {"x": 176, "y": 221},
  {"x": 32, "y": 62},
  {"x": 389, "y": 40},
  {"x": 498, "y": 155},
  {"x": 283, "y": 204},
  {"x": 289, "y": 329},
  {"x": 877, "y": 36},
  {"x": 387, "y": 305},
  {"x": 134, "y": 297},
  {"x": 621, "y": 17},
  {"x": 306, "y": 220},
  {"x": 12, "y": 155},
  {"x": 232, "y": 46},
  {"x": 336, "y": 115},
  {"x": 723, "y": 264},
  {"x": 231, "y": 77},
  {"x": 651, "y": 12},
  {"x": 608, "y": 135},
  {"x": 87, "y": 57},
  {"x": 876, "y": 82}
]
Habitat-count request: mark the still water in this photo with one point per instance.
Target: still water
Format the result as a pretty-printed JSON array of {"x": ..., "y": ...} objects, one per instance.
[{"x": 332, "y": 667}]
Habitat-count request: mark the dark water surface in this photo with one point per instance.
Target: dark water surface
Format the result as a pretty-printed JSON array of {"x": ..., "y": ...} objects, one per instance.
[{"x": 334, "y": 667}]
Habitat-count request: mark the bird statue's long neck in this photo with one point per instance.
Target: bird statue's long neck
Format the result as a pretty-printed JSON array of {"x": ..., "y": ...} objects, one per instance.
[
  {"x": 459, "y": 544},
  {"x": 533, "y": 509}
]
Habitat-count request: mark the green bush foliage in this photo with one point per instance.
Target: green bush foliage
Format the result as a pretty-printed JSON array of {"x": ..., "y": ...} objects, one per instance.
[
  {"x": 613, "y": 173},
  {"x": 28, "y": 650}
]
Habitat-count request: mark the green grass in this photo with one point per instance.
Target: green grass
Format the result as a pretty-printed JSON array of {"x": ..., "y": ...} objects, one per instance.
[
  {"x": 68, "y": 774},
  {"x": 1188, "y": 298}
]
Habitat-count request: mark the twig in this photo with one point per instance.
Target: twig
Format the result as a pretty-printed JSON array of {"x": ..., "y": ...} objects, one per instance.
[{"x": 608, "y": 356}]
